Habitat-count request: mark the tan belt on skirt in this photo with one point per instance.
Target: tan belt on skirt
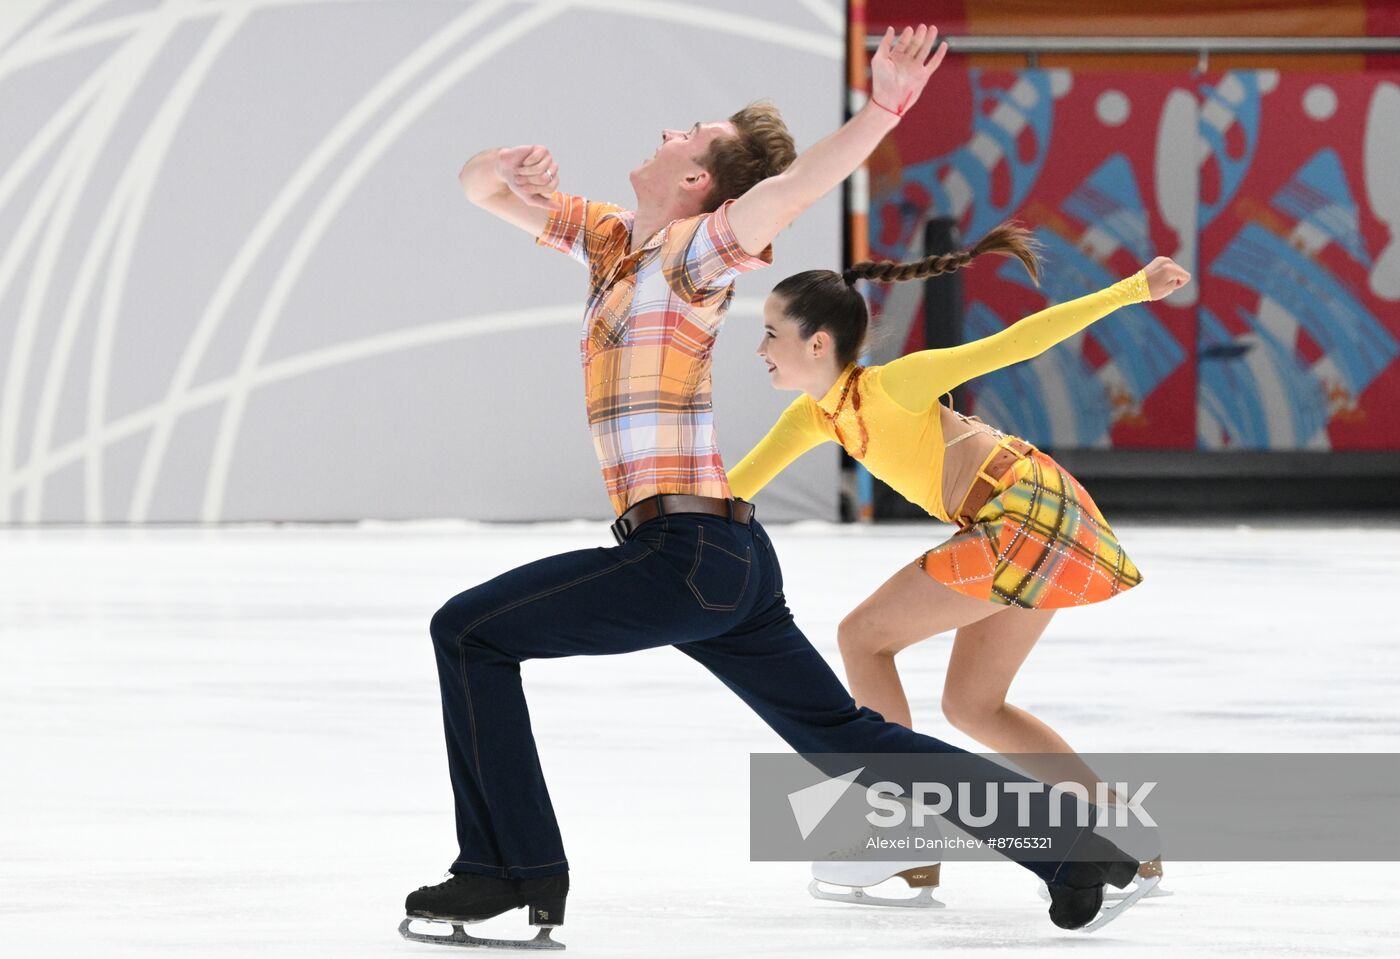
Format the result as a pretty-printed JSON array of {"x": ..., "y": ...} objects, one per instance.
[{"x": 1008, "y": 450}]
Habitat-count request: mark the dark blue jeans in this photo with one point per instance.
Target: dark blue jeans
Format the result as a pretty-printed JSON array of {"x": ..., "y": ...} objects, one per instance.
[{"x": 711, "y": 588}]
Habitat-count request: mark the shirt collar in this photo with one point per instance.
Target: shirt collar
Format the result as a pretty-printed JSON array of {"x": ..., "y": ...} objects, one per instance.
[
  {"x": 829, "y": 402},
  {"x": 628, "y": 218},
  {"x": 657, "y": 238}
]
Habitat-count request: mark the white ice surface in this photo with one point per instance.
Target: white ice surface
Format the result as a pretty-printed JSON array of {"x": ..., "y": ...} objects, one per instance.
[{"x": 228, "y": 743}]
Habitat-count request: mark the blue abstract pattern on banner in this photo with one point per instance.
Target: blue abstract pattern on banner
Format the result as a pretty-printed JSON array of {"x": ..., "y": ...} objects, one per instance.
[
  {"x": 1055, "y": 400},
  {"x": 1255, "y": 390},
  {"x": 1140, "y": 348},
  {"x": 1318, "y": 195},
  {"x": 1356, "y": 345},
  {"x": 1111, "y": 201},
  {"x": 1234, "y": 101}
]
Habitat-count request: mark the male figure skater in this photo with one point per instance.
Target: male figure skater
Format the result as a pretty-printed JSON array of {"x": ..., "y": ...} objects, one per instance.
[{"x": 692, "y": 567}]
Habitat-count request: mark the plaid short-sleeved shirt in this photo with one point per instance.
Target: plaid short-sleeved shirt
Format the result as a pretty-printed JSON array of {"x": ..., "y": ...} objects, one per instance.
[{"x": 648, "y": 332}]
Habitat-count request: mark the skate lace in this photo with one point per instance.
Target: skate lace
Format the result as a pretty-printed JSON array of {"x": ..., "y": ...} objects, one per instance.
[
  {"x": 858, "y": 849},
  {"x": 451, "y": 880},
  {"x": 853, "y": 851}
]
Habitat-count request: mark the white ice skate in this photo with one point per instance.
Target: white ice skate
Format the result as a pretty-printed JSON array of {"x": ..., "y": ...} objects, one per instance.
[
  {"x": 852, "y": 871},
  {"x": 854, "y": 878}
]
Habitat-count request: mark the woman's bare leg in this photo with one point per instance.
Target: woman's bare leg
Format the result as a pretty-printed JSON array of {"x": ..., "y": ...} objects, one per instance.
[
  {"x": 986, "y": 657},
  {"x": 907, "y": 608}
]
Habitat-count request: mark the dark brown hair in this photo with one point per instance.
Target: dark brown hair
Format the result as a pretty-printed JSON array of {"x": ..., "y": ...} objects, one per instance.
[
  {"x": 763, "y": 147},
  {"x": 826, "y": 300}
]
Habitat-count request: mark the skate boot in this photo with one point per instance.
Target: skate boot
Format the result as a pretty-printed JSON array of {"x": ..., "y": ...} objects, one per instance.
[
  {"x": 854, "y": 878},
  {"x": 1150, "y": 868},
  {"x": 852, "y": 871},
  {"x": 468, "y": 898},
  {"x": 1079, "y": 903},
  {"x": 1153, "y": 867}
]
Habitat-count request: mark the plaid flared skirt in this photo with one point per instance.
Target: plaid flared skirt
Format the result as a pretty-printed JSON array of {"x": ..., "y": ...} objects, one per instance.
[{"x": 1039, "y": 542}]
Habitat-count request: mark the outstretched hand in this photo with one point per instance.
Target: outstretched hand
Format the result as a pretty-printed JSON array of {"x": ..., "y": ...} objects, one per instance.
[
  {"x": 530, "y": 173},
  {"x": 901, "y": 67},
  {"x": 1164, "y": 277}
]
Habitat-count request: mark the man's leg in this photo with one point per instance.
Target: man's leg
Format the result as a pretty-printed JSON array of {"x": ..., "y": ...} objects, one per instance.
[
  {"x": 589, "y": 602},
  {"x": 772, "y": 666}
]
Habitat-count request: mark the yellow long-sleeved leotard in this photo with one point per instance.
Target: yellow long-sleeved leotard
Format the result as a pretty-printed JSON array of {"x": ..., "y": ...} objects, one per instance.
[{"x": 893, "y": 412}]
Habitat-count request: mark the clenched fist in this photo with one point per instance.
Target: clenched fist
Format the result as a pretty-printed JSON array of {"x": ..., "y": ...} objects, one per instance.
[
  {"x": 1164, "y": 277},
  {"x": 530, "y": 173}
]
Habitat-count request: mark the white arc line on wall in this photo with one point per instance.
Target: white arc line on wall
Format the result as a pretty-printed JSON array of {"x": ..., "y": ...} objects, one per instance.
[
  {"x": 42, "y": 31},
  {"x": 266, "y": 228},
  {"x": 330, "y": 204},
  {"x": 831, "y": 17},
  {"x": 339, "y": 192},
  {"x": 314, "y": 361},
  {"x": 52, "y": 129},
  {"x": 19, "y": 168},
  {"x": 125, "y": 211},
  {"x": 63, "y": 188},
  {"x": 34, "y": 49},
  {"x": 17, "y": 18},
  {"x": 128, "y": 223}
]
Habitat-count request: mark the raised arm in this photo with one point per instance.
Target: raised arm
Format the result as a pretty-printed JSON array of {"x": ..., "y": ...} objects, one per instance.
[
  {"x": 899, "y": 70},
  {"x": 916, "y": 381},
  {"x": 514, "y": 183},
  {"x": 795, "y": 433}
]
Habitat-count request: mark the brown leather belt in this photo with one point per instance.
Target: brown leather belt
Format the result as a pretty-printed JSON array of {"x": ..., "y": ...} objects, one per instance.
[
  {"x": 1008, "y": 451},
  {"x": 734, "y": 510}
]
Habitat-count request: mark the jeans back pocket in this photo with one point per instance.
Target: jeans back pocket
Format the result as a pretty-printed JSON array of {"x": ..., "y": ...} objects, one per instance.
[{"x": 719, "y": 576}]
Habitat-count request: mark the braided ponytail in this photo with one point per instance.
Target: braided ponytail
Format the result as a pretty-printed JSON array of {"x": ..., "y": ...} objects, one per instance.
[
  {"x": 826, "y": 300},
  {"x": 1007, "y": 239}
]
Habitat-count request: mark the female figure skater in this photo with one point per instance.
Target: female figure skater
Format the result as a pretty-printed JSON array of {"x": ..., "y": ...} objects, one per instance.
[{"x": 1029, "y": 541}]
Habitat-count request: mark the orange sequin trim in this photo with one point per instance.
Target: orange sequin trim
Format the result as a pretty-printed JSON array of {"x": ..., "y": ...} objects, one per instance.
[{"x": 850, "y": 390}]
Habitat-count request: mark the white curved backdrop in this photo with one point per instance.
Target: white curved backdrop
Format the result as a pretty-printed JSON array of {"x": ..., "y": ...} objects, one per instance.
[{"x": 238, "y": 280}]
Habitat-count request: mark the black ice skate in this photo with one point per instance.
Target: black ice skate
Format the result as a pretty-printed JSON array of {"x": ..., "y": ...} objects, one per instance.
[
  {"x": 1081, "y": 906},
  {"x": 464, "y": 899},
  {"x": 1152, "y": 867}
]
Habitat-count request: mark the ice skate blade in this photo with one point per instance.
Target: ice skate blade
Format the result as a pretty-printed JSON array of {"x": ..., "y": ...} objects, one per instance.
[
  {"x": 1117, "y": 895},
  {"x": 1109, "y": 912},
  {"x": 1156, "y": 892},
  {"x": 460, "y": 937},
  {"x": 859, "y": 897}
]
